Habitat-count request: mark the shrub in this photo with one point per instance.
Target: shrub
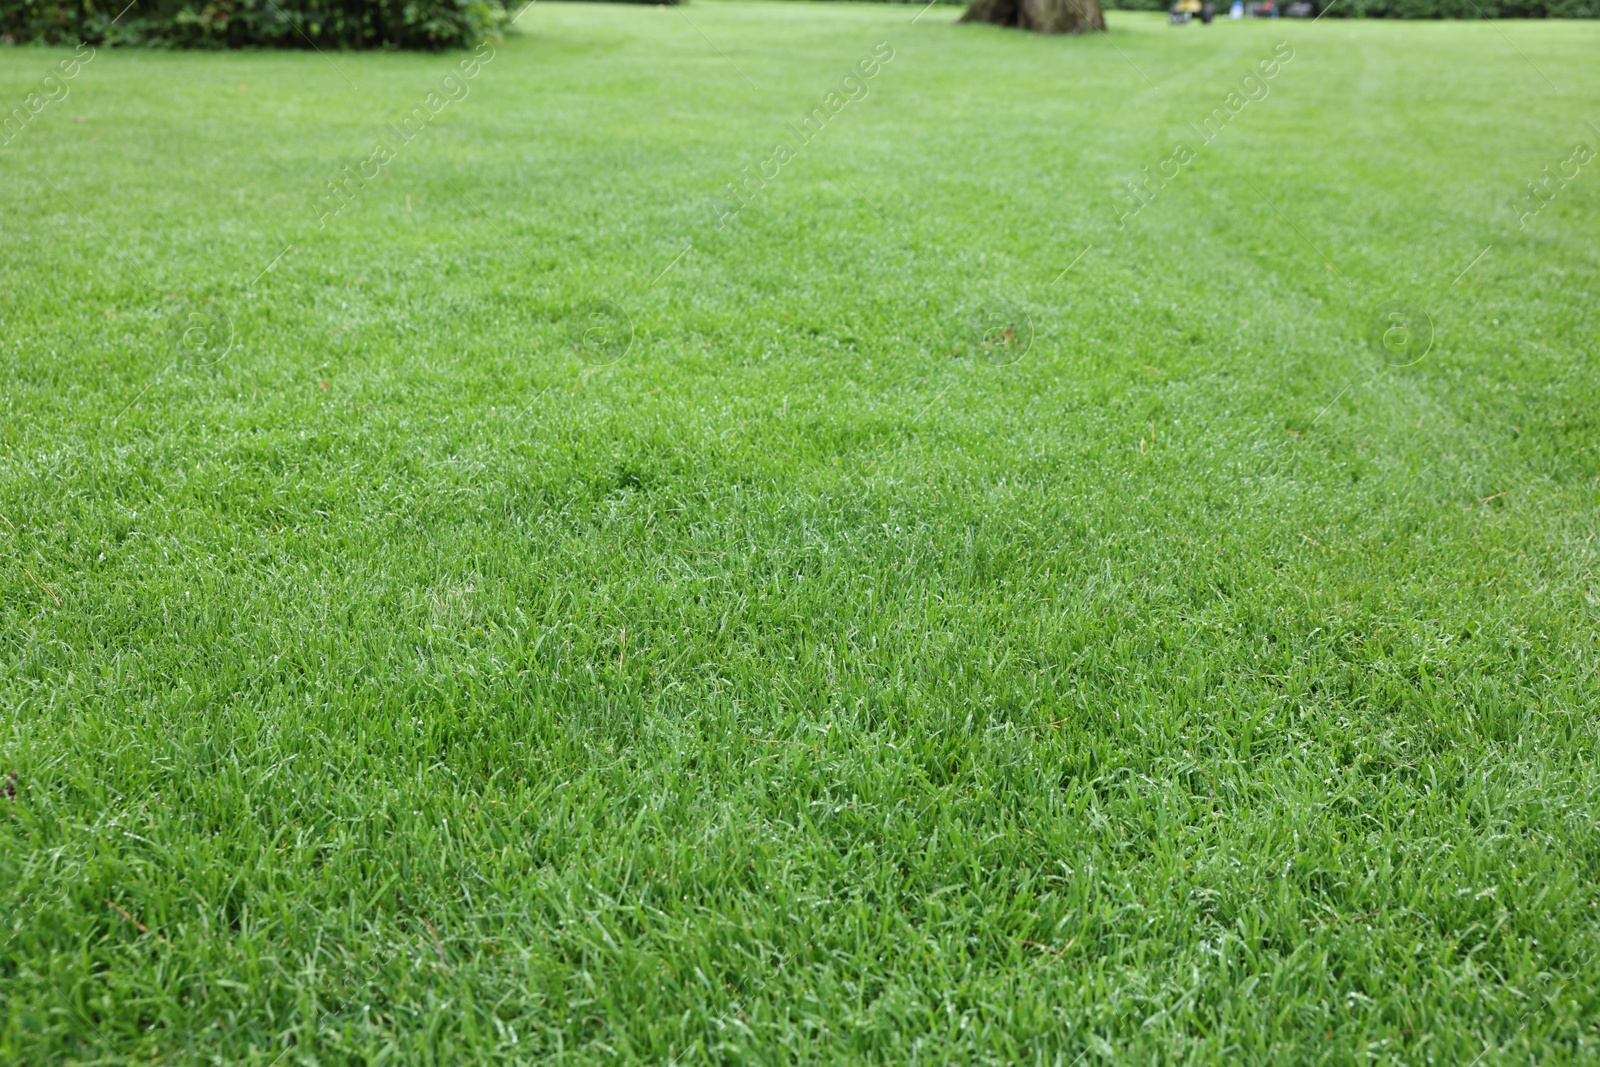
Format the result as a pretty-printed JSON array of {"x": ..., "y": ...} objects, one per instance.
[
  {"x": 1393, "y": 9},
  {"x": 423, "y": 24},
  {"x": 1466, "y": 9},
  {"x": 1417, "y": 9}
]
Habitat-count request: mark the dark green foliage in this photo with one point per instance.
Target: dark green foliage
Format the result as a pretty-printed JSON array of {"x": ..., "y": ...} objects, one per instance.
[
  {"x": 1393, "y": 9},
  {"x": 418, "y": 24},
  {"x": 1420, "y": 9},
  {"x": 1466, "y": 9},
  {"x": 921, "y": 3}
]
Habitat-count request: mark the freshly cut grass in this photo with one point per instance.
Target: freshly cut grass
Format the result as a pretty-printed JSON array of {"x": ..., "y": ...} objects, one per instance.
[{"x": 387, "y": 681}]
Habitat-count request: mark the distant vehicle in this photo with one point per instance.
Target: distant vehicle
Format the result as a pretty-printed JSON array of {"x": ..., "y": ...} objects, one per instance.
[
  {"x": 1264, "y": 10},
  {"x": 1182, "y": 11},
  {"x": 1301, "y": 9}
]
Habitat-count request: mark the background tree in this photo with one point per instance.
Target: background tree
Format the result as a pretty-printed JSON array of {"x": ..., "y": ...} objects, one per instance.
[{"x": 1046, "y": 16}]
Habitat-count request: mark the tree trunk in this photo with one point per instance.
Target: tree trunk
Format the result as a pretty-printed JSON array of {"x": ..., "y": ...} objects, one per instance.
[{"x": 1046, "y": 16}]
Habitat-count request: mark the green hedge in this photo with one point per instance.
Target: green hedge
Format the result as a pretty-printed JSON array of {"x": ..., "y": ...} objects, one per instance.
[
  {"x": 422, "y": 24},
  {"x": 1466, "y": 9},
  {"x": 1415, "y": 9},
  {"x": 1392, "y": 9}
]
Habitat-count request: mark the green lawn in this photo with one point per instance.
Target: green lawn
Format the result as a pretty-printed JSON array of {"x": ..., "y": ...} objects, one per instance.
[{"x": 534, "y": 622}]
